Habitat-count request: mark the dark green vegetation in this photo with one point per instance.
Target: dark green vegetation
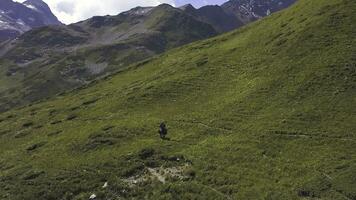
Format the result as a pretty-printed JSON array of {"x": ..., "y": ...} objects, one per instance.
[{"x": 265, "y": 112}]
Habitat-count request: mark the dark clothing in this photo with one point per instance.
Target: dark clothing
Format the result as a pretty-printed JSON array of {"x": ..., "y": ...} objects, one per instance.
[{"x": 163, "y": 130}]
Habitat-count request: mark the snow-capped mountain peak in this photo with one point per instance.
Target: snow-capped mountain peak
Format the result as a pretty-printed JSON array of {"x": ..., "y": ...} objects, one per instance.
[{"x": 16, "y": 18}]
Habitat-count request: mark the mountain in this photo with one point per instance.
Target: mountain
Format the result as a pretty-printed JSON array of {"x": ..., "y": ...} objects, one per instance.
[
  {"x": 263, "y": 112},
  {"x": 48, "y": 18},
  {"x": 216, "y": 16},
  {"x": 251, "y": 10},
  {"x": 236, "y": 13},
  {"x": 45, "y": 61},
  {"x": 50, "y": 60},
  {"x": 17, "y": 18}
]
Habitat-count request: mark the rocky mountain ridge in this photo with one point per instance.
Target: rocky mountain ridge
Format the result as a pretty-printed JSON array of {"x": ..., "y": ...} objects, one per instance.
[{"x": 17, "y": 18}]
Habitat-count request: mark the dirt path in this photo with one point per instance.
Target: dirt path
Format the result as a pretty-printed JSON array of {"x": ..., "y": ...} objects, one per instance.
[
  {"x": 206, "y": 125},
  {"x": 217, "y": 191},
  {"x": 312, "y": 136},
  {"x": 270, "y": 132}
]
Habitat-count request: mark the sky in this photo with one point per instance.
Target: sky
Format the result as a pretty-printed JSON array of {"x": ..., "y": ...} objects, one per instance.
[{"x": 70, "y": 11}]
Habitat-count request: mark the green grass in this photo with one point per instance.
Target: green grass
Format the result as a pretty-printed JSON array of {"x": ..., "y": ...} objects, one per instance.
[
  {"x": 50, "y": 60},
  {"x": 265, "y": 112}
]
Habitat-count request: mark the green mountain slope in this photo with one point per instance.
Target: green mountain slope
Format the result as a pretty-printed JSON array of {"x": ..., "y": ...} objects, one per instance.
[
  {"x": 50, "y": 60},
  {"x": 265, "y": 112},
  {"x": 46, "y": 61}
]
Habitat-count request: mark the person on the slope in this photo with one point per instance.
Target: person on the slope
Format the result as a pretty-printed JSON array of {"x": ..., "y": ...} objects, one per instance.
[{"x": 163, "y": 130}]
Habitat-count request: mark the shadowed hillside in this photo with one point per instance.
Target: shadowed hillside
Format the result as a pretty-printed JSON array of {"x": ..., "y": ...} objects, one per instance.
[{"x": 264, "y": 112}]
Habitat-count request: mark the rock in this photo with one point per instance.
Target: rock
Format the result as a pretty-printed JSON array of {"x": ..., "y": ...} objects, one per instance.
[
  {"x": 106, "y": 184},
  {"x": 93, "y": 196}
]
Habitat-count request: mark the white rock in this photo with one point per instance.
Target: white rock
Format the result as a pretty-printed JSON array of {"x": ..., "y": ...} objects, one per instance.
[
  {"x": 106, "y": 184},
  {"x": 93, "y": 196}
]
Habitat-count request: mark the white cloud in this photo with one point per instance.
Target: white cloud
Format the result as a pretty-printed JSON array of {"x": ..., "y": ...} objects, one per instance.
[{"x": 70, "y": 11}]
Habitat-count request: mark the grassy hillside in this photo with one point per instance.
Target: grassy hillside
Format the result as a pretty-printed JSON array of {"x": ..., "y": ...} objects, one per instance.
[
  {"x": 265, "y": 112},
  {"x": 46, "y": 61}
]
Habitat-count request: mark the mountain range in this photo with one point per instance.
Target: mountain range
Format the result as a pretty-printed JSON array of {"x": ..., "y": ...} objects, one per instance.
[
  {"x": 53, "y": 59},
  {"x": 17, "y": 18},
  {"x": 251, "y": 10}
]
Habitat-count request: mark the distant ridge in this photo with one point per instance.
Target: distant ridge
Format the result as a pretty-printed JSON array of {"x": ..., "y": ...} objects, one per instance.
[{"x": 17, "y": 18}]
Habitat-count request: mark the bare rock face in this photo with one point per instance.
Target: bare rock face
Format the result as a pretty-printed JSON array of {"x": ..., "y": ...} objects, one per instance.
[
  {"x": 251, "y": 10},
  {"x": 236, "y": 13},
  {"x": 17, "y": 18}
]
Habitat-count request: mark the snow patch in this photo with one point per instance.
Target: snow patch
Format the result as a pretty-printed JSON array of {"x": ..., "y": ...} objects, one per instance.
[
  {"x": 31, "y": 7},
  {"x": 268, "y": 12},
  {"x": 19, "y": 21},
  {"x": 139, "y": 11}
]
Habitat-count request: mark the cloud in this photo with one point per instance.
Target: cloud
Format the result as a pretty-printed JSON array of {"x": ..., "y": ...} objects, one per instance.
[
  {"x": 70, "y": 11},
  {"x": 66, "y": 7}
]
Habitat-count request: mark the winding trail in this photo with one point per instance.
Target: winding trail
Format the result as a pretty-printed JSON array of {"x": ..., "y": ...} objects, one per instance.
[
  {"x": 206, "y": 125},
  {"x": 310, "y": 136}
]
